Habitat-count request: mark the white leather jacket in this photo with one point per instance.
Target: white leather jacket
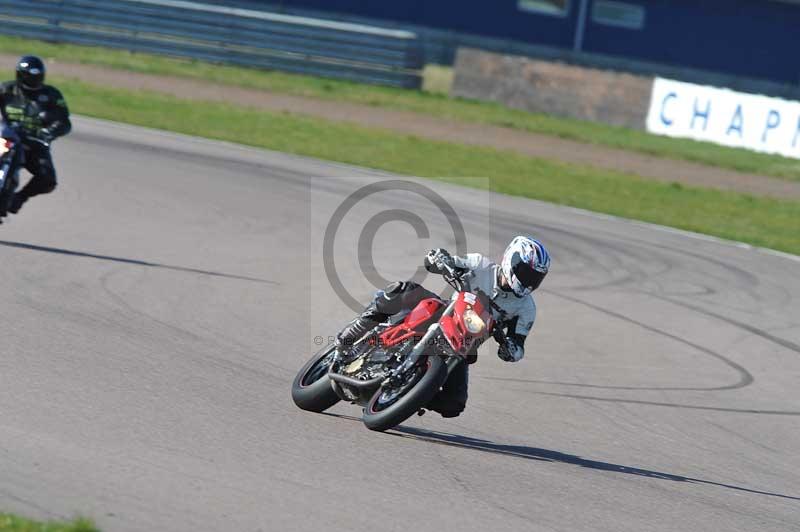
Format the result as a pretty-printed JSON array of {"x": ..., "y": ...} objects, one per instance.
[{"x": 520, "y": 311}]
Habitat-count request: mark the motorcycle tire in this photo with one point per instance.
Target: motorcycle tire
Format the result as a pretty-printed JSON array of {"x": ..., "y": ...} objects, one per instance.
[
  {"x": 380, "y": 419},
  {"x": 311, "y": 388}
]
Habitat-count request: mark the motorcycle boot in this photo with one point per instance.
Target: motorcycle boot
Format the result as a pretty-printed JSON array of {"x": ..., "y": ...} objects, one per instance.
[
  {"x": 361, "y": 326},
  {"x": 17, "y": 202},
  {"x": 395, "y": 298},
  {"x": 389, "y": 301},
  {"x": 451, "y": 400}
]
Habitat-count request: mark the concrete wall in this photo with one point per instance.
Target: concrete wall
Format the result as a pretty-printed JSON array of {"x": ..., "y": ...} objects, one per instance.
[{"x": 554, "y": 88}]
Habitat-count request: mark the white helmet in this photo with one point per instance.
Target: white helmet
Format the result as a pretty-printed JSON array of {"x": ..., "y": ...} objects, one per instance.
[{"x": 525, "y": 264}]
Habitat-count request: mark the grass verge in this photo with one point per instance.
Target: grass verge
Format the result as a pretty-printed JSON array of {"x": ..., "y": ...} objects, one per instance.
[
  {"x": 760, "y": 221},
  {"x": 14, "y": 523},
  {"x": 432, "y": 102}
]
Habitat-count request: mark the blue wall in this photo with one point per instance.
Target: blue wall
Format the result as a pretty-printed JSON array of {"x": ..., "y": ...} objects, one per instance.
[{"x": 753, "y": 38}]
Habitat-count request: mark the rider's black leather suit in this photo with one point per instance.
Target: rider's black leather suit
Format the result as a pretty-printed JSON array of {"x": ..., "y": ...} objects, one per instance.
[{"x": 42, "y": 113}]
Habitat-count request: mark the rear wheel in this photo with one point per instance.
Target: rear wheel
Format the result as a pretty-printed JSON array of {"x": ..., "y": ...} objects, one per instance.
[
  {"x": 311, "y": 389},
  {"x": 393, "y": 404}
]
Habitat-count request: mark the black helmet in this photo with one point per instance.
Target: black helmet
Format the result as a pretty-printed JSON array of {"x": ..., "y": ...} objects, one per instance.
[{"x": 30, "y": 72}]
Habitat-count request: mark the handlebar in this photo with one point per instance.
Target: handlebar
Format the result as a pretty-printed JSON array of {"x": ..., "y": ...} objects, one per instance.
[
  {"x": 14, "y": 131},
  {"x": 452, "y": 277},
  {"x": 38, "y": 141}
]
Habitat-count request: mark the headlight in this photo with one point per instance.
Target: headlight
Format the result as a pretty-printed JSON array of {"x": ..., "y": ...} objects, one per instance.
[{"x": 473, "y": 322}]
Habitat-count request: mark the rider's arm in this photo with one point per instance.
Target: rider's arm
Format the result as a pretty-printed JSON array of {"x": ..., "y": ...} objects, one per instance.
[
  {"x": 4, "y": 89},
  {"x": 437, "y": 258},
  {"x": 58, "y": 122},
  {"x": 512, "y": 349},
  {"x": 518, "y": 328}
]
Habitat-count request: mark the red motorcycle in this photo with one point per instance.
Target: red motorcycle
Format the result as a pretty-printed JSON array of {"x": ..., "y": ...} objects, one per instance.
[{"x": 395, "y": 370}]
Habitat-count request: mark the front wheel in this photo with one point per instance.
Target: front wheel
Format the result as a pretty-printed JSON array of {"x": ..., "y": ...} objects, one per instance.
[
  {"x": 311, "y": 389},
  {"x": 391, "y": 405},
  {"x": 7, "y": 190}
]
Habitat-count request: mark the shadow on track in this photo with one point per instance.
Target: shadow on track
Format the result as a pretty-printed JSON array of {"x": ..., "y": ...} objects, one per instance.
[
  {"x": 136, "y": 262},
  {"x": 673, "y": 405},
  {"x": 546, "y": 455}
]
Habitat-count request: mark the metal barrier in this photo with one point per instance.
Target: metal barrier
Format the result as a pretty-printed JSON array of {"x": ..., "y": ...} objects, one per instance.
[
  {"x": 441, "y": 46},
  {"x": 226, "y": 35}
]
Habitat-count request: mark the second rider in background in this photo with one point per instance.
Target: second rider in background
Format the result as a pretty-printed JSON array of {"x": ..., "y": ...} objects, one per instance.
[{"x": 42, "y": 114}]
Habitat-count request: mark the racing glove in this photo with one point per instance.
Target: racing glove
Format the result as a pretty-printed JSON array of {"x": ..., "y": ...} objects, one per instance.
[
  {"x": 45, "y": 135},
  {"x": 510, "y": 346},
  {"x": 438, "y": 259},
  {"x": 510, "y": 351}
]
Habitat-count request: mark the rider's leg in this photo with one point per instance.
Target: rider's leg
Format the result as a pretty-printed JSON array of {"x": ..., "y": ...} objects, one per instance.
[
  {"x": 361, "y": 325},
  {"x": 39, "y": 163},
  {"x": 401, "y": 296},
  {"x": 396, "y": 297},
  {"x": 452, "y": 398}
]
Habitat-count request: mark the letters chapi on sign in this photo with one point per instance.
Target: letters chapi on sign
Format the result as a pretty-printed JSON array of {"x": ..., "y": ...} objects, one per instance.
[{"x": 723, "y": 116}]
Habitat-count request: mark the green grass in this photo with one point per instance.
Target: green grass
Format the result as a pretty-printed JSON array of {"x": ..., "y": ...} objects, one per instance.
[
  {"x": 433, "y": 102},
  {"x": 759, "y": 221},
  {"x": 14, "y": 523}
]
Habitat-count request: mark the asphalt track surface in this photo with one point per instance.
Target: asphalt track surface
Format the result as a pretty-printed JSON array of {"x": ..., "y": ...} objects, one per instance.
[{"x": 157, "y": 307}]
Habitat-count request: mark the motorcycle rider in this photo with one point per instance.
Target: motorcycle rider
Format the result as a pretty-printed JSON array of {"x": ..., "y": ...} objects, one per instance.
[
  {"x": 524, "y": 265},
  {"x": 42, "y": 113}
]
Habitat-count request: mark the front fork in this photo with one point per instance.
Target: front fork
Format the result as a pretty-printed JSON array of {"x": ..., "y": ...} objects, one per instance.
[
  {"x": 8, "y": 174},
  {"x": 8, "y": 185}
]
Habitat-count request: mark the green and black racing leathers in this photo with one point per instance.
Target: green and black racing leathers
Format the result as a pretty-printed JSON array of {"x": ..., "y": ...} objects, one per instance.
[{"x": 43, "y": 115}]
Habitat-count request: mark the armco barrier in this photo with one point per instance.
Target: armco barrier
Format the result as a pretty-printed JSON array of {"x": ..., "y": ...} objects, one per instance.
[
  {"x": 222, "y": 34},
  {"x": 440, "y": 47}
]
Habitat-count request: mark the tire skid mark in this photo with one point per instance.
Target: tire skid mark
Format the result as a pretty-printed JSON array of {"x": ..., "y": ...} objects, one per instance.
[
  {"x": 189, "y": 336},
  {"x": 738, "y": 324},
  {"x": 748, "y": 278},
  {"x": 670, "y": 405},
  {"x": 745, "y": 377}
]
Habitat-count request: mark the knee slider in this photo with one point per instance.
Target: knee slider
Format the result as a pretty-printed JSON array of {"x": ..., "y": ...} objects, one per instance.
[
  {"x": 399, "y": 288},
  {"x": 392, "y": 289}
]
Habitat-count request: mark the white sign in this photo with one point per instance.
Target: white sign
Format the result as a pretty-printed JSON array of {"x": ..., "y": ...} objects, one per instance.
[{"x": 726, "y": 117}]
